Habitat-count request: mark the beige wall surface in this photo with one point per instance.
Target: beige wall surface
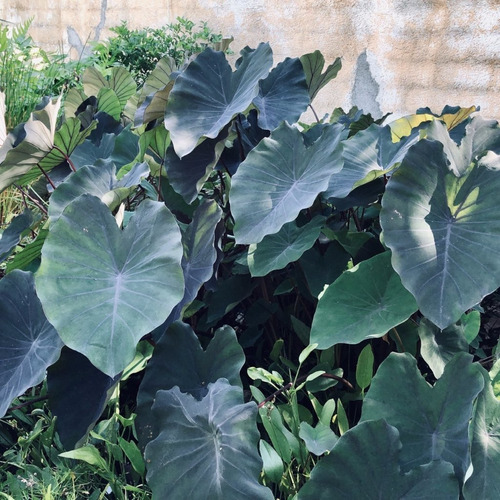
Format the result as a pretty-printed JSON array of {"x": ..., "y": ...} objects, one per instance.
[{"x": 397, "y": 55}]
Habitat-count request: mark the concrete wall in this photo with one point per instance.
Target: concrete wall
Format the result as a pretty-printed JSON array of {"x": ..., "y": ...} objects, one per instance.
[{"x": 397, "y": 55}]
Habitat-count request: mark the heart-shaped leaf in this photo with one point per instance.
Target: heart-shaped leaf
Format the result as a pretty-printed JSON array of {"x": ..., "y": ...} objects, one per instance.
[
  {"x": 207, "y": 95},
  {"x": 179, "y": 360},
  {"x": 280, "y": 177},
  {"x": 443, "y": 230},
  {"x": 433, "y": 422},
  {"x": 103, "y": 288},
  {"x": 283, "y": 95},
  {"x": 371, "y": 451},
  {"x": 277, "y": 250},
  {"x": 364, "y": 302},
  {"x": 28, "y": 342},
  {"x": 319, "y": 439},
  {"x": 220, "y": 432}
]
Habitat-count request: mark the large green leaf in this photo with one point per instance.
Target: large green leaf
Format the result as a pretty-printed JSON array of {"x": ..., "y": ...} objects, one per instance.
[
  {"x": 313, "y": 64},
  {"x": 432, "y": 421},
  {"x": 28, "y": 342},
  {"x": 485, "y": 452},
  {"x": 206, "y": 449},
  {"x": 102, "y": 288},
  {"x": 364, "y": 302},
  {"x": 364, "y": 464},
  {"x": 70, "y": 381},
  {"x": 283, "y": 95},
  {"x": 179, "y": 360},
  {"x": 66, "y": 139},
  {"x": 207, "y": 95},
  {"x": 120, "y": 82},
  {"x": 366, "y": 156},
  {"x": 280, "y": 177},
  {"x": 277, "y": 250},
  {"x": 13, "y": 232},
  {"x": 443, "y": 230},
  {"x": 99, "y": 180}
]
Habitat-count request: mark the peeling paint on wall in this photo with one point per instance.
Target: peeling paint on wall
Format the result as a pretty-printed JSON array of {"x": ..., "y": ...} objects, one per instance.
[{"x": 365, "y": 89}]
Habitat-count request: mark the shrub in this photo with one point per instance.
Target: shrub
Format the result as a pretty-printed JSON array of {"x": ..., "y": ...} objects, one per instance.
[
  {"x": 196, "y": 228},
  {"x": 139, "y": 50}
]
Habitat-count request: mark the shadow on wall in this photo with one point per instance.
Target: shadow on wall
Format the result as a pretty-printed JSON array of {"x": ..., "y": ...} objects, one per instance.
[{"x": 74, "y": 39}]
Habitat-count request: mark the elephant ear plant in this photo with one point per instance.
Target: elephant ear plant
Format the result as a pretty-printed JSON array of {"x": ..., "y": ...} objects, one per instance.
[{"x": 197, "y": 215}]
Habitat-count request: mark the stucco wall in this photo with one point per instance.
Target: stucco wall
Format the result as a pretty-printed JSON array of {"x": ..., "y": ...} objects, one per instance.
[{"x": 397, "y": 55}]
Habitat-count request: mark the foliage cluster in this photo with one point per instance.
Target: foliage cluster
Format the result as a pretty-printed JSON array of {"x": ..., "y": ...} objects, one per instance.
[{"x": 194, "y": 227}]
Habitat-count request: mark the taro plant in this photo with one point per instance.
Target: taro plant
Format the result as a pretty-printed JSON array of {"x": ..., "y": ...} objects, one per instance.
[{"x": 196, "y": 227}]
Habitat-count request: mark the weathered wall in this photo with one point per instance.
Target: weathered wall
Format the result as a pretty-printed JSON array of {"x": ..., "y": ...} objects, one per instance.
[{"x": 397, "y": 55}]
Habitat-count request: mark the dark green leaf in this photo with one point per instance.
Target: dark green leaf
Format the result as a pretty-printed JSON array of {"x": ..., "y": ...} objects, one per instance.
[
  {"x": 187, "y": 175},
  {"x": 28, "y": 342},
  {"x": 179, "y": 360},
  {"x": 432, "y": 421},
  {"x": 283, "y": 95},
  {"x": 485, "y": 452},
  {"x": 364, "y": 302},
  {"x": 13, "y": 232},
  {"x": 366, "y": 156},
  {"x": 219, "y": 432},
  {"x": 207, "y": 95},
  {"x": 321, "y": 269},
  {"x": 280, "y": 177},
  {"x": 99, "y": 181},
  {"x": 277, "y": 250},
  {"x": 439, "y": 346},
  {"x": 370, "y": 451},
  {"x": 78, "y": 393}
]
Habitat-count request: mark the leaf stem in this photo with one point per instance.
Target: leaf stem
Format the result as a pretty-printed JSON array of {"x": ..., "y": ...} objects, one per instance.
[
  {"x": 398, "y": 340},
  {"x": 315, "y": 115},
  {"x": 66, "y": 157},
  {"x": 27, "y": 403},
  {"x": 32, "y": 199},
  {"x": 299, "y": 381}
]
